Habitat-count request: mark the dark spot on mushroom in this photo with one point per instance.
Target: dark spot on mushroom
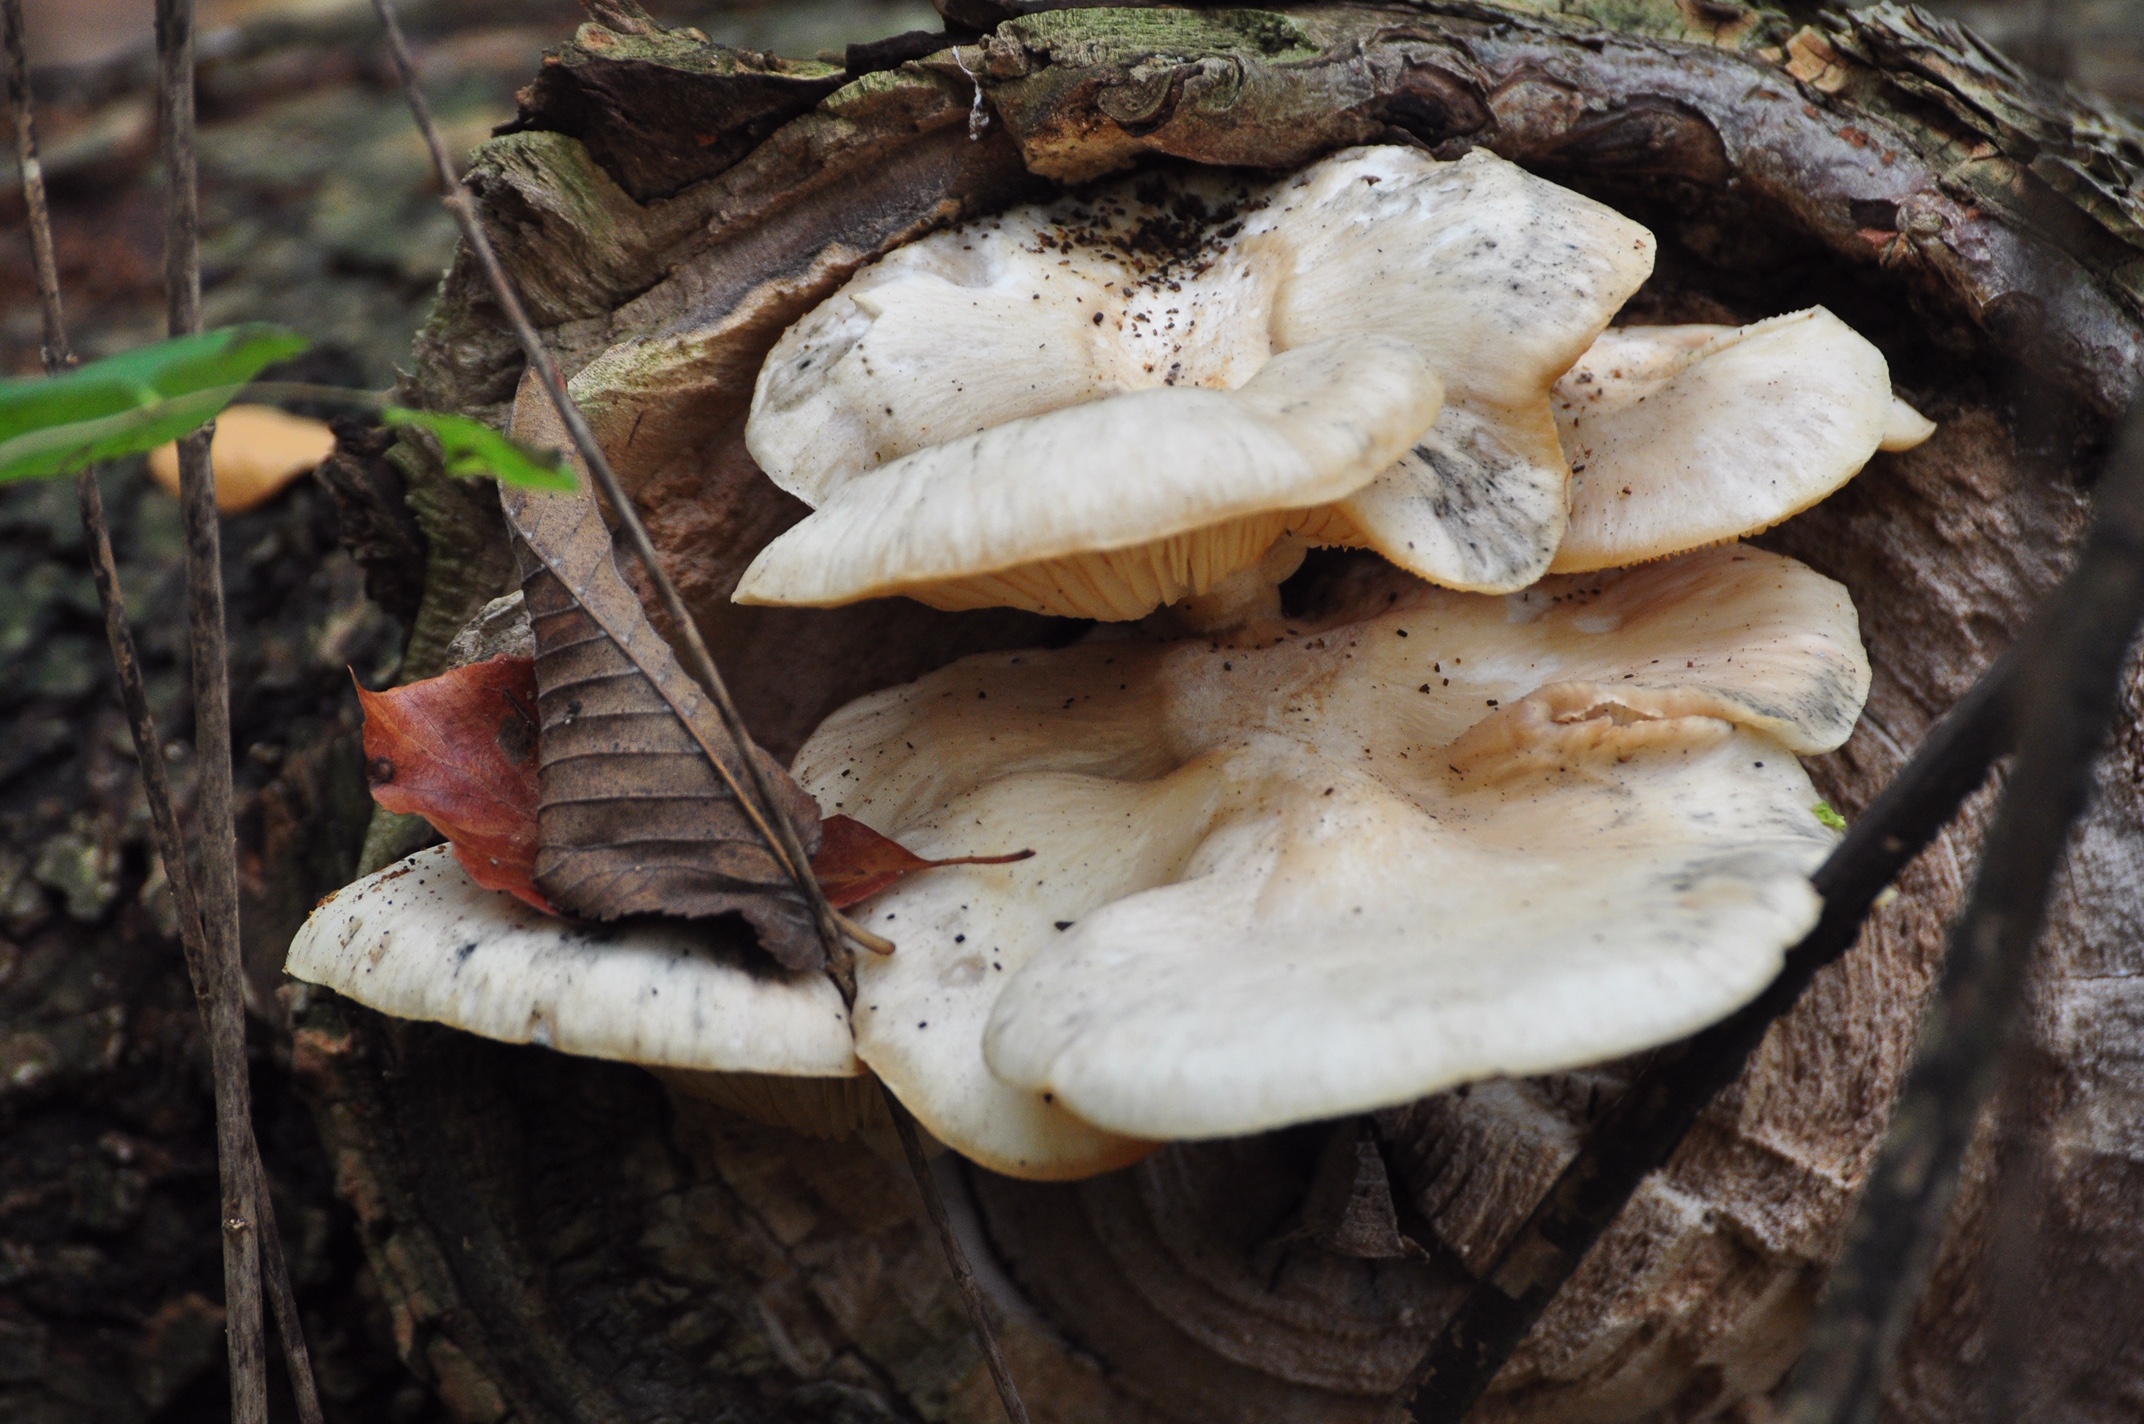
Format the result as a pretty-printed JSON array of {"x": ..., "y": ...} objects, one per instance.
[{"x": 1065, "y": 924}]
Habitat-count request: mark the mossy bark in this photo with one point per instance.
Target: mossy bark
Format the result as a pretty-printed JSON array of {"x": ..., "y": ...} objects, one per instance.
[{"x": 562, "y": 1242}]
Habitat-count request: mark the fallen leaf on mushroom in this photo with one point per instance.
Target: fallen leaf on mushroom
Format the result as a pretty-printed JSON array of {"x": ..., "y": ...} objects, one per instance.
[
  {"x": 459, "y": 750},
  {"x": 854, "y": 862}
]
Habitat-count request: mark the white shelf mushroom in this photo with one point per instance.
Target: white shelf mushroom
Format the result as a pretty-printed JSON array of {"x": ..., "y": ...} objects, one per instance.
[
  {"x": 1467, "y": 836},
  {"x": 1012, "y": 366},
  {"x": 1300, "y": 874},
  {"x": 421, "y": 940},
  {"x": 1682, "y": 436}
]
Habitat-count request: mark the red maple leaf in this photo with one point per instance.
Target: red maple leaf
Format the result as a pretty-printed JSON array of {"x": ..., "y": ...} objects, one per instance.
[
  {"x": 460, "y": 750},
  {"x": 855, "y": 862}
]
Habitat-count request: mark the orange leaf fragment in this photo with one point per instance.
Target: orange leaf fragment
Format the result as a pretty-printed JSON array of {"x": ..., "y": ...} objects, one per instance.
[
  {"x": 855, "y": 862},
  {"x": 460, "y": 750}
]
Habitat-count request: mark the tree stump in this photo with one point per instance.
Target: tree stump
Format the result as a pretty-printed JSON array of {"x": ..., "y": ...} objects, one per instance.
[{"x": 563, "y": 1241}]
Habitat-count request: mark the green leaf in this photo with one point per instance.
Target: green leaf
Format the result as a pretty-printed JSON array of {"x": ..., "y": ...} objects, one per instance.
[
  {"x": 1829, "y": 817},
  {"x": 474, "y": 448},
  {"x": 132, "y": 402}
]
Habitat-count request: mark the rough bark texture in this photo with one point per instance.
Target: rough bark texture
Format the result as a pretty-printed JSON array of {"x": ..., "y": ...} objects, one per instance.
[{"x": 561, "y": 1243}]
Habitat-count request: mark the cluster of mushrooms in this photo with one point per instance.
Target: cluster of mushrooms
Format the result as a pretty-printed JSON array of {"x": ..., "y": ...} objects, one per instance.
[{"x": 1524, "y": 797}]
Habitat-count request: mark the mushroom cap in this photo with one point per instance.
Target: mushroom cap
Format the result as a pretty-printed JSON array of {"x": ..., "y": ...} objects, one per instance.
[
  {"x": 1499, "y": 279},
  {"x": 1006, "y": 515},
  {"x": 257, "y": 450},
  {"x": 1904, "y": 428},
  {"x": 1469, "y": 835},
  {"x": 421, "y": 940},
  {"x": 1682, "y": 436},
  {"x": 1505, "y": 280}
]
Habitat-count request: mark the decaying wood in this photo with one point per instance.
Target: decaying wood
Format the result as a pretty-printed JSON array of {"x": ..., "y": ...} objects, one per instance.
[
  {"x": 561, "y": 1244},
  {"x": 2071, "y": 670}
]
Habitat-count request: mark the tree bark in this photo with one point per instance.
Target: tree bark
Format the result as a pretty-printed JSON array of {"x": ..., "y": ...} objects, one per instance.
[{"x": 560, "y": 1241}]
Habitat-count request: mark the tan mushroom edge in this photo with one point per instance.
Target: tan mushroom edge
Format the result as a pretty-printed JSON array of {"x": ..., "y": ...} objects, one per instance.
[
  {"x": 948, "y": 384},
  {"x": 421, "y": 940},
  {"x": 257, "y": 451},
  {"x": 1289, "y": 882},
  {"x": 1683, "y": 436}
]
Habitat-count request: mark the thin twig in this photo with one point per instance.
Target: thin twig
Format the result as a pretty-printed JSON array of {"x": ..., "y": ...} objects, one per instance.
[
  {"x": 141, "y": 721},
  {"x": 774, "y": 825},
  {"x": 2073, "y": 672},
  {"x": 971, "y": 1293},
  {"x": 44, "y": 261},
  {"x": 171, "y": 847},
  {"x": 223, "y": 1005},
  {"x": 761, "y": 805},
  {"x": 1644, "y": 1127}
]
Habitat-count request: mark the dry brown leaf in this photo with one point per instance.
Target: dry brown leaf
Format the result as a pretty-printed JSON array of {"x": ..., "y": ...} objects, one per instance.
[
  {"x": 634, "y": 817},
  {"x": 460, "y": 750}
]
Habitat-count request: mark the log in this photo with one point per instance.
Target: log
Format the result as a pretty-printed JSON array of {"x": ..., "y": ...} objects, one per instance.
[{"x": 561, "y": 1240}]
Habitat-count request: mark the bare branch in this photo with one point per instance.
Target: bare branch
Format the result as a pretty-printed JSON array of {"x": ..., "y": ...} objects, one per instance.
[
  {"x": 781, "y": 836},
  {"x": 2071, "y": 666},
  {"x": 223, "y": 1002},
  {"x": 57, "y": 353},
  {"x": 141, "y": 721},
  {"x": 971, "y": 1294},
  {"x": 1646, "y": 1125}
]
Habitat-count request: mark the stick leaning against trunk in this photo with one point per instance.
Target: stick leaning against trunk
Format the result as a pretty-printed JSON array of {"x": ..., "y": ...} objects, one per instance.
[
  {"x": 2052, "y": 698},
  {"x": 760, "y": 805}
]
